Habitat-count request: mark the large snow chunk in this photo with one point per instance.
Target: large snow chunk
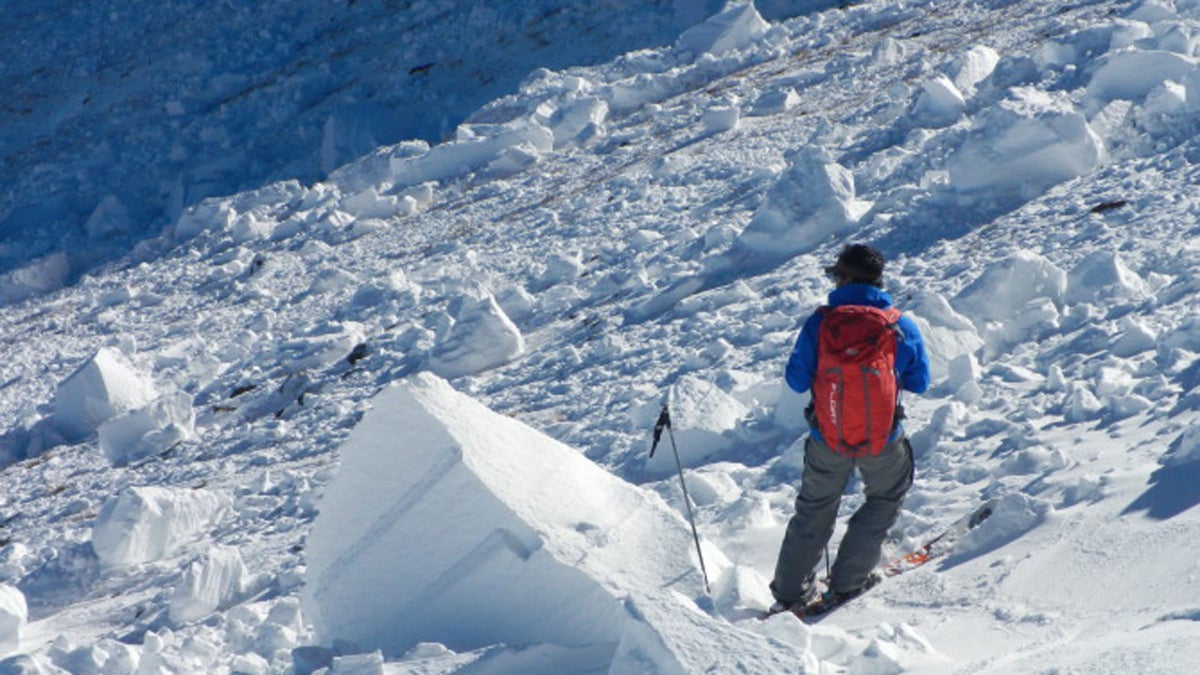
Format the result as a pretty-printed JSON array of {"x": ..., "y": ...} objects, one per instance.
[
  {"x": 1131, "y": 74},
  {"x": 812, "y": 201},
  {"x": 144, "y": 524},
  {"x": 1152, "y": 11},
  {"x": 448, "y": 523},
  {"x": 1014, "y": 516},
  {"x": 249, "y": 215},
  {"x": 215, "y": 581},
  {"x": 737, "y": 27},
  {"x": 973, "y": 66},
  {"x": 1026, "y": 144},
  {"x": 1007, "y": 286},
  {"x": 481, "y": 337},
  {"x": 579, "y": 122},
  {"x": 1184, "y": 450},
  {"x": 1103, "y": 277},
  {"x": 939, "y": 104},
  {"x": 1014, "y": 299},
  {"x": 149, "y": 430},
  {"x": 13, "y": 614},
  {"x": 39, "y": 276},
  {"x": 948, "y": 335},
  {"x": 475, "y": 149},
  {"x": 103, "y": 387},
  {"x": 702, "y": 415}
]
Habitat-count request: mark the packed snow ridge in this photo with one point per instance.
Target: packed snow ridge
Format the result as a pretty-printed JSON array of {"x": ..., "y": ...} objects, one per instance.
[{"x": 393, "y": 416}]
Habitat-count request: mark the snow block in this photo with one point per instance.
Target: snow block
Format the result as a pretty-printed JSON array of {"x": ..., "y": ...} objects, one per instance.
[
  {"x": 1026, "y": 144},
  {"x": 939, "y": 104},
  {"x": 42, "y": 275},
  {"x": 1184, "y": 450},
  {"x": 358, "y": 664},
  {"x": 244, "y": 216},
  {"x": 1105, "y": 278},
  {"x": 13, "y": 614},
  {"x": 737, "y": 27},
  {"x": 213, "y": 582},
  {"x": 482, "y": 337},
  {"x": 144, "y": 524},
  {"x": 1015, "y": 515},
  {"x": 974, "y": 66},
  {"x": 720, "y": 118},
  {"x": 1080, "y": 404},
  {"x": 701, "y": 416},
  {"x": 460, "y": 157},
  {"x": 579, "y": 122},
  {"x": 149, "y": 430},
  {"x": 110, "y": 218},
  {"x": 1015, "y": 299},
  {"x": 100, "y": 657},
  {"x": 1131, "y": 74},
  {"x": 947, "y": 334},
  {"x": 811, "y": 202},
  {"x": 103, "y": 387},
  {"x": 1008, "y": 285},
  {"x": 776, "y": 101},
  {"x": 448, "y": 523}
]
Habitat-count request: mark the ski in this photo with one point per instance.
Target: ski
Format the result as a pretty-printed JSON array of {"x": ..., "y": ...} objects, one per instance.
[
  {"x": 942, "y": 544},
  {"x": 935, "y": 548}
]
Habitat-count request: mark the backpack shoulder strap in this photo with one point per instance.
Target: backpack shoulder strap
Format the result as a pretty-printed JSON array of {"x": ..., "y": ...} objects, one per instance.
[{"x": 893, "y": 318}]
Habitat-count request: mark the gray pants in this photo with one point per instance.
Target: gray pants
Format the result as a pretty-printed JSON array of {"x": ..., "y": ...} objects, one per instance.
[{"x": 886, "y": 478}]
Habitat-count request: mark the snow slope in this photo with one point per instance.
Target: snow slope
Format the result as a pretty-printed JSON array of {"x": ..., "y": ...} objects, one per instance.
[
  {"x": 597, "y": 242},
  {"x": 118, "y": 115}
]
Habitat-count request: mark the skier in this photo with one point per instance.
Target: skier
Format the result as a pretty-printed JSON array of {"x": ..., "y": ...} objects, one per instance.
[{"x": 841, "y": 437}]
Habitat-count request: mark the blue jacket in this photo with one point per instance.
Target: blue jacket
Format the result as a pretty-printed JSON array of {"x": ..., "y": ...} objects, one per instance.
[{"x": 912, "y": 364}]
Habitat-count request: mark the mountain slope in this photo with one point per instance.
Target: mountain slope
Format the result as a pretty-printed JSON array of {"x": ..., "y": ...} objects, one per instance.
[
  {"x": 650, "y": 229},
  {"x": 120, "y": 115}
]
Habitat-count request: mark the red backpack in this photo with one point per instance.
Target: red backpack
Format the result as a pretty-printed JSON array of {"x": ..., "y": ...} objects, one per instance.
[{"x": 855, "y": 392}]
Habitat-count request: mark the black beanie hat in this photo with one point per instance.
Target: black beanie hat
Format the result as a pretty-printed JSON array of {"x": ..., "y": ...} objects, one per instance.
[{"x": 858, "y": 264}]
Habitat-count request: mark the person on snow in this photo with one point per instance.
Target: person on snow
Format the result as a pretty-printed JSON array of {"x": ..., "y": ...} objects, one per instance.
[{"x": 855, "y": 354}]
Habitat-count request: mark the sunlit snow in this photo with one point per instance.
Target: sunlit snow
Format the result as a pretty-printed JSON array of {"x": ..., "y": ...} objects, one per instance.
[{"x": 334, "y": 337}]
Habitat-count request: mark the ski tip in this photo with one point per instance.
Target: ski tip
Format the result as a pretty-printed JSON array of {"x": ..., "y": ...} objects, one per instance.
[{"x": 984, "y": 512}]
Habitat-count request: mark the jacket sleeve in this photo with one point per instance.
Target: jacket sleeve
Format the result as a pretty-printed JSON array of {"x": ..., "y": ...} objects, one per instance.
[
  {"x": 803, "y": 363},
  {"x": 912, "y": 363}
]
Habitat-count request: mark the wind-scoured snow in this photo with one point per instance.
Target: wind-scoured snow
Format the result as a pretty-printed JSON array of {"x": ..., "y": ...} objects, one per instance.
[{"x": 395, "y": 415}]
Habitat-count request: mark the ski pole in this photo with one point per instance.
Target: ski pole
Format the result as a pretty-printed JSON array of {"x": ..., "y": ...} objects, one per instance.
[{"x": 664, "y": 422}]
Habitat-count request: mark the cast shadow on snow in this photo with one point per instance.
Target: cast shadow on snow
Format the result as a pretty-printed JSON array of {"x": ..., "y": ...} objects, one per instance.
[{"x": 1172, "y": 491}]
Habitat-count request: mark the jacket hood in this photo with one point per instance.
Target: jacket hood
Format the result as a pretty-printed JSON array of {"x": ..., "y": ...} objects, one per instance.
[{"x": 860, "y": 294}]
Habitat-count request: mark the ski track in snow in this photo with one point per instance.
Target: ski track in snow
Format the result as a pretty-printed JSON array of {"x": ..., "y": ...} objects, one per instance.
[{"x": 592, "y": 245}]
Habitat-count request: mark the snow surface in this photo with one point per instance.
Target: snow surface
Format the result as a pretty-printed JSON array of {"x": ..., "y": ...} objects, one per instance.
[
  {"x": 133, "y": 111},
  {"x": 331, "y": 376}
]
